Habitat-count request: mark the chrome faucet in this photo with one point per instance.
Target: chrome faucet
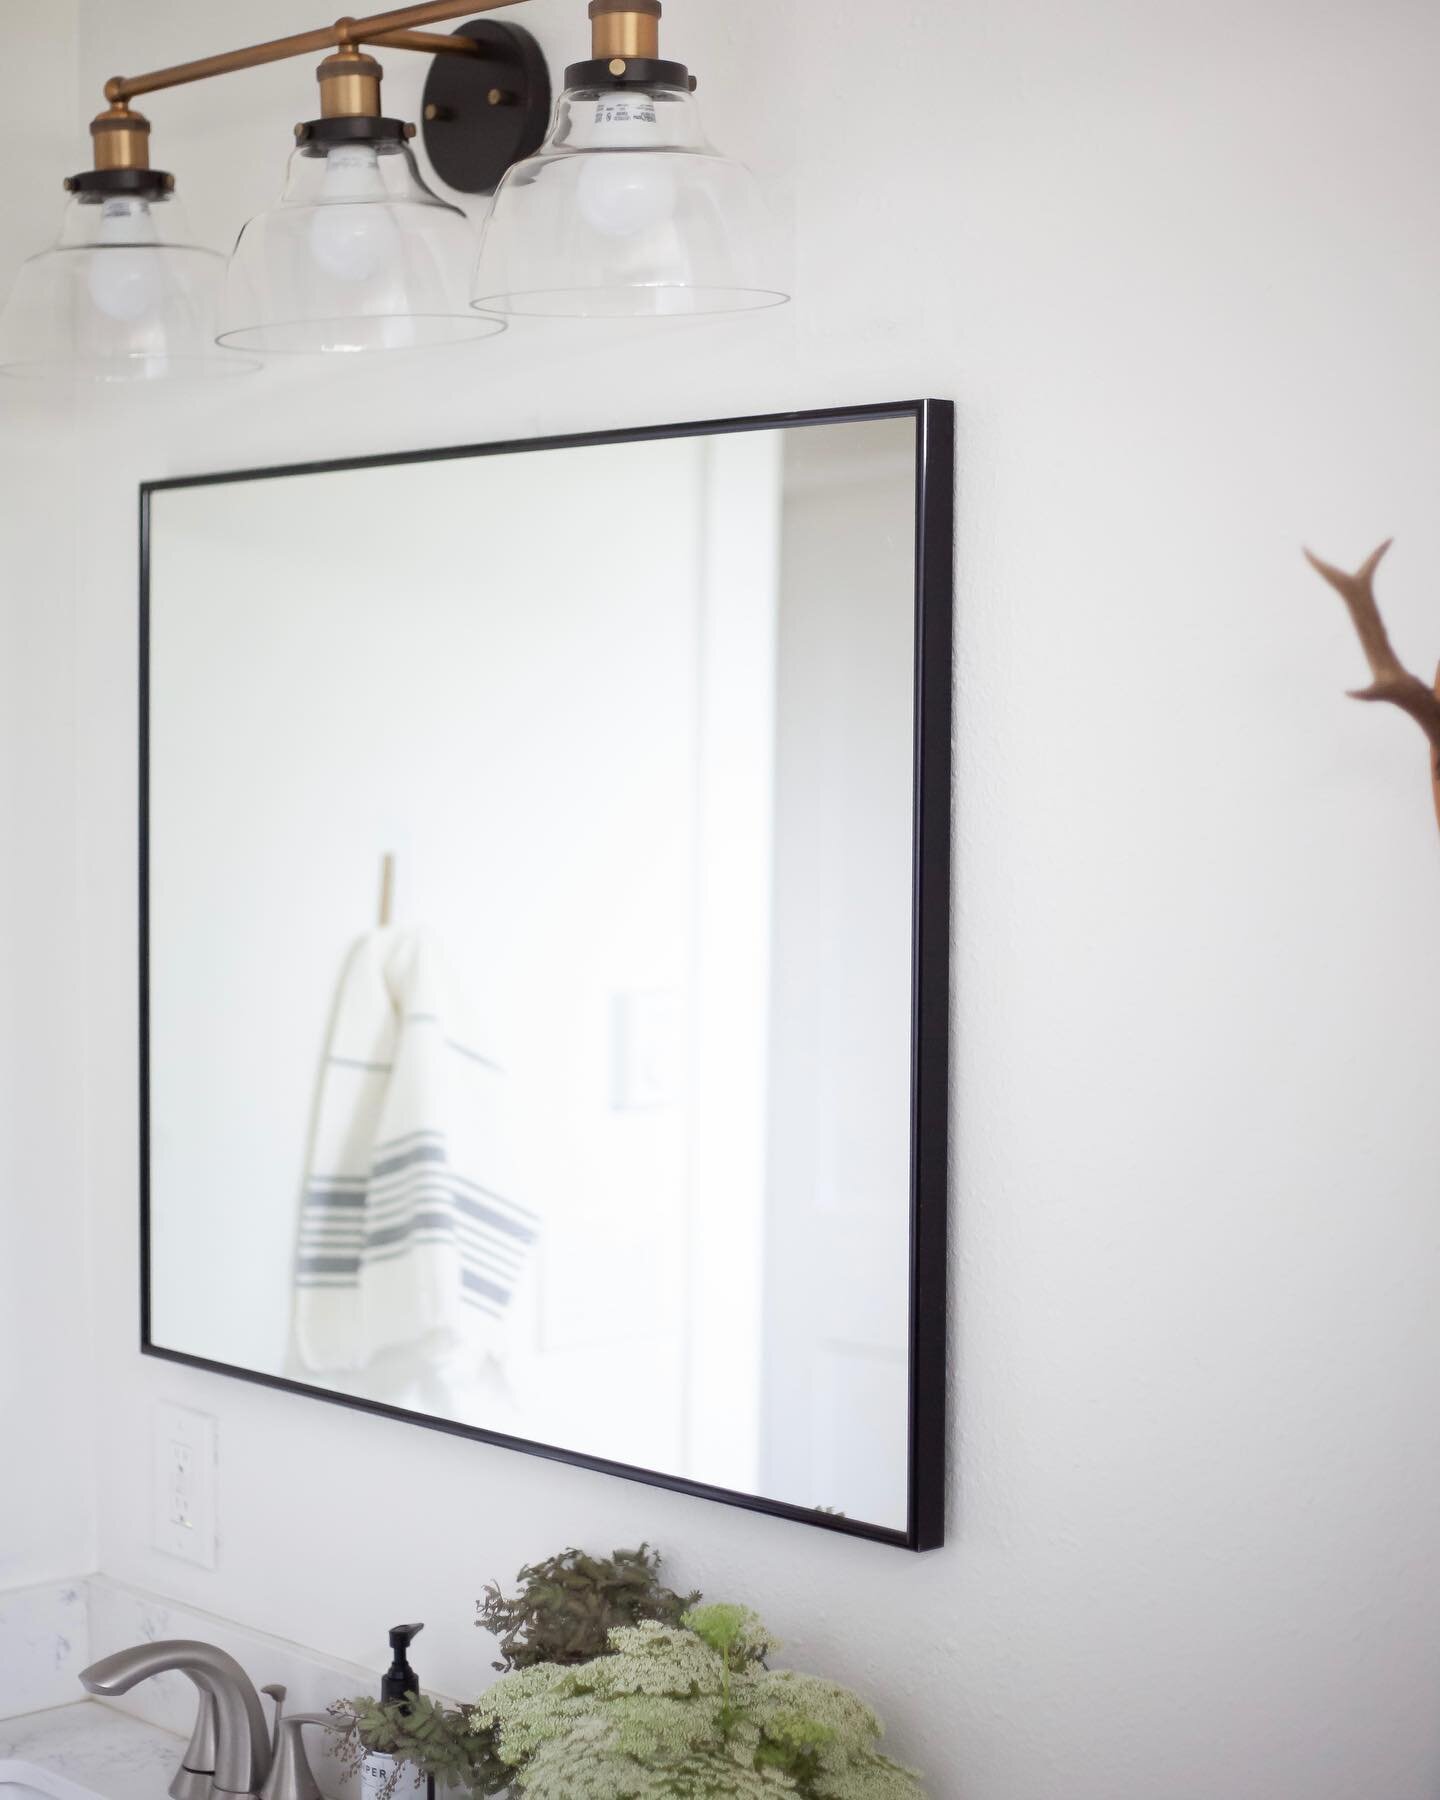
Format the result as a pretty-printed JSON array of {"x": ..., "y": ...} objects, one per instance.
[{"x": 230, "y": 1735}]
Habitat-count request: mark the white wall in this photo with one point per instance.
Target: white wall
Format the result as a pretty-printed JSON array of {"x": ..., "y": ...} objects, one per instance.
[
  {"x": 46, "y": 1519},
  {"x": 1181, "y": 268}
]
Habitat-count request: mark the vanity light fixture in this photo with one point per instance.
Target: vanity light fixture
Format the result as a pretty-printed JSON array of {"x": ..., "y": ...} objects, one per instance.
[
  {"x": 359, "y": 254},
  {"x": 626, "y": 211},
  {"x": 622, "y": 211},
  {"x": 124, "y": 293}
]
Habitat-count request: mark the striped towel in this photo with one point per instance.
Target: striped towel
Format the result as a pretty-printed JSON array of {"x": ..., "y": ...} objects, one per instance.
[{"x": 409, "y": 1237}]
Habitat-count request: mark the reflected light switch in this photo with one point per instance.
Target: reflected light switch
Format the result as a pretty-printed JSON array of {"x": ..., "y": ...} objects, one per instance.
[{"x": 646, "y": 1050}]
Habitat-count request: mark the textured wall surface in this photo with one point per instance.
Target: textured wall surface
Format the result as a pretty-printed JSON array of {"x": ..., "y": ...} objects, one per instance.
[{"x": 1180, "y": 267}]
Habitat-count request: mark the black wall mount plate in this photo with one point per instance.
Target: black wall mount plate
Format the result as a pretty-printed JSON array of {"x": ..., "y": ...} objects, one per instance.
[{"x": 483, "y": 113}]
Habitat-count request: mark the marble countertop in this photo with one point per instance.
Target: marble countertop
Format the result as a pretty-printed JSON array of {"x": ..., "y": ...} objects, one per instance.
[{"x": 96, "y": 1746}]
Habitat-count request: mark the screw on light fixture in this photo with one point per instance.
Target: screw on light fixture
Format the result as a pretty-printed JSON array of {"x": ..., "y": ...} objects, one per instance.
[
  {"x": 626, "y": 211},
  {"x": 124, "y": 295},
  {"x": 360, "y": 254},
  {"x": 624, "y": 29}
]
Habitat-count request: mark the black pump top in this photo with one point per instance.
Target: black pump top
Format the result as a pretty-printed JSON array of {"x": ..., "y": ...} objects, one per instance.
[{"x": 400, "y": 1680}]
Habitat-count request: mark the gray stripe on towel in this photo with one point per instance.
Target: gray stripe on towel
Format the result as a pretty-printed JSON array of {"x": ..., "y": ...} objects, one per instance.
[
  {"x": 324, "y": 1196},
  {"x": 407, "y": 1159}
]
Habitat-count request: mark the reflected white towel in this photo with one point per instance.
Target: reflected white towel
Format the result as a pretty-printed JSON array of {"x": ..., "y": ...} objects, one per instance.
[{"x": 409, "y": 1237}]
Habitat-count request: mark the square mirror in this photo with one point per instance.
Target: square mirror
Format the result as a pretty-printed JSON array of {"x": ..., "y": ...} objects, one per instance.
[{"x": 545, "y": 981}]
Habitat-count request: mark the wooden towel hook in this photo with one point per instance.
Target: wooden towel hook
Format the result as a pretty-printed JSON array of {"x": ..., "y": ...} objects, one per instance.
[
  {"x": 1390, "y": 679},
  {"x": 387, "y": 889}
]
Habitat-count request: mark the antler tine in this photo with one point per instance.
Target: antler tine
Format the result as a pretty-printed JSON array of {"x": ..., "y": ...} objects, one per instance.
[{"x": 1392, "y": 681}]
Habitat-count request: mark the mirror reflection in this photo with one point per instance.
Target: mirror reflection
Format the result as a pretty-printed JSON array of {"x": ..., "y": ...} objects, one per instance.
[{"x": 530, "y": 945}]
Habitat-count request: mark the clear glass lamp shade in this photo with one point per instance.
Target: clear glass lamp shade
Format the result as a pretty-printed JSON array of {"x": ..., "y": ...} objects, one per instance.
[
  {"x": 626, "y": 212},
  {"x": 359, "y": 255},
  {"x": 124, "y": 295}
]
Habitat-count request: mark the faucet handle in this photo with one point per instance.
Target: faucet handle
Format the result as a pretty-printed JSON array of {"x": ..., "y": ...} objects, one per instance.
[
  {"x": 275, "y": 1692},
  {"x": 291, "y": 1777},
  {"x": 195, "y": 1778}
]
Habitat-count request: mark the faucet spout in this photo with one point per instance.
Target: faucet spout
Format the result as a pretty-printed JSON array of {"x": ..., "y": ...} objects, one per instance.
[{"x": 242, "y": 1742}]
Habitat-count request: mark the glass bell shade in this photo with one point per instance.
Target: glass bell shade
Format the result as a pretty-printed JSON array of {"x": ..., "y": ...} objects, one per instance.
[
  {"x": 359, "y": 255},
  {"x": 124, "y": 295},
  {"x": 626, "y": 212}
]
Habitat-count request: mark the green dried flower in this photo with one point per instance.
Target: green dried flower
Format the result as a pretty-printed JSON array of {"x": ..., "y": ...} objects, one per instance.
[
  {"x": 738, "y": 1634},
  {"x": 567, "y": 1607},
  {"x": 436, "y": 1739}
]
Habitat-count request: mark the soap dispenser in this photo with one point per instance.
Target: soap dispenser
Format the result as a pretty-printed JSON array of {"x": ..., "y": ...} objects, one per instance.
[{"x": 385, "y": 1777}]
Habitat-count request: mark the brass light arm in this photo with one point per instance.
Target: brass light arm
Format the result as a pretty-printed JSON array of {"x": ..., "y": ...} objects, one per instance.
[
  {"x": 429, "y": 43},
  {"x": 435, "y": 12},
  {"x": 122, "y": 88},
  {"x": 378, "y": 28}
]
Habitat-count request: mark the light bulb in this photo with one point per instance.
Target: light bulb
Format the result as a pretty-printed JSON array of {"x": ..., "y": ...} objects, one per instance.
[
  {"x": 622, "y": 190},
  {"x": 124, "y": 276},
  {"x": 352, "y": 235}
]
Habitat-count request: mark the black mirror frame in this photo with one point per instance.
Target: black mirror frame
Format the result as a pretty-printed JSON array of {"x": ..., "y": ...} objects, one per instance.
[{"x": 931, "y": 975}]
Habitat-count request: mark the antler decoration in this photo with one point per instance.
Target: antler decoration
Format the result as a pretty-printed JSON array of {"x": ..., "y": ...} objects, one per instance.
[{"x": 1392, "y": 681}]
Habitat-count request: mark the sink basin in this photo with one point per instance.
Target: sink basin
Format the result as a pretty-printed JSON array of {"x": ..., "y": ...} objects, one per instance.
[
  {"x": 27, "y": 1781},
  {"x": 85, "y": 1751}
]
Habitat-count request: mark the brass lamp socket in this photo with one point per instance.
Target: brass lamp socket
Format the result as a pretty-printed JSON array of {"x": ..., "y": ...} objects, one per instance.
[
  {"x": 349, "y": 85},
  {"x": 624, "y": 30},
  {"x": 121, "y": 139}
]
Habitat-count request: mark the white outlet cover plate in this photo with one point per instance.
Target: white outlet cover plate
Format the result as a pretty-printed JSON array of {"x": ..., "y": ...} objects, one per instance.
[{"x": 183, "y": 1501}]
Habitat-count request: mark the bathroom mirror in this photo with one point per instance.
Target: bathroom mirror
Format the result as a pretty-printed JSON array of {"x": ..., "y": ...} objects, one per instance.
[{"x": 545, "y": 888}]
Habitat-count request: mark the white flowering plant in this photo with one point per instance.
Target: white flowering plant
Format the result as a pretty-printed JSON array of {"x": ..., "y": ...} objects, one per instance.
[
  {"x": 690, "y": 1711},
  {"x": 618, "y": 1688}
]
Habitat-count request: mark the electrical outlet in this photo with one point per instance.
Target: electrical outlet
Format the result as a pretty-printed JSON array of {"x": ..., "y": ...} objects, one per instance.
[{"x": 184, "y": 1484}]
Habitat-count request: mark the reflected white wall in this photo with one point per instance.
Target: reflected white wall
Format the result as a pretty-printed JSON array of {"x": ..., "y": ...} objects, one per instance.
[
  {"x": 410, "y": 660},
  {"x": 735, "y": 803},
  {"x": 837, "y": 1172}
]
